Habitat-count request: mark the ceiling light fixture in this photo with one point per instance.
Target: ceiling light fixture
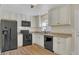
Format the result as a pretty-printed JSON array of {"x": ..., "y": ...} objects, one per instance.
[{"x": 33, "y": 5}]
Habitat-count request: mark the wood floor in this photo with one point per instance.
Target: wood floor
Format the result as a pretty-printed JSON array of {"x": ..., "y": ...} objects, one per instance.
[{"x": 29, "y": 50}]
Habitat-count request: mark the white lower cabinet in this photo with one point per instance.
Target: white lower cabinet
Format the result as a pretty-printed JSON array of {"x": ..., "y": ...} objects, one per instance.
[
  {"x": 38, "y": 39},
  {"x": 62, "y": 45},
  {"x": 55, "y": 45},
  {"x": 41, "y": 40},
  {"x": 34, "y": 38}
]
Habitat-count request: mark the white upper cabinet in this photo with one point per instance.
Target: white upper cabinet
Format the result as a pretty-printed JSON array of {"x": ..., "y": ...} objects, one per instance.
[
  {"x": 35, "y": 21},
  {"x": 65, "y": 15},
  {"x": 60, "y": 15},
  {"x": 54, "y": 16},
  {"x": 44, "y": 20}
]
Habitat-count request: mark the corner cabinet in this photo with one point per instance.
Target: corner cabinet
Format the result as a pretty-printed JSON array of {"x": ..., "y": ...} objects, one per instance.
[
  {"x": 35, "y": 21},
  {"x": 60, "y": 15},
  {"x": 62, "y": 45},
  {"x": 38, "y": 39}
]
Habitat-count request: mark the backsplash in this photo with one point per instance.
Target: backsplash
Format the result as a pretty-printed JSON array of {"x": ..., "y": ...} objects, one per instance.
[{"x": 62, "y": 29}]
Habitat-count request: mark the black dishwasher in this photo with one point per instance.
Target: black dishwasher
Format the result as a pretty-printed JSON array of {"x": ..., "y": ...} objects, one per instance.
[{"x": 48, "y": 42}]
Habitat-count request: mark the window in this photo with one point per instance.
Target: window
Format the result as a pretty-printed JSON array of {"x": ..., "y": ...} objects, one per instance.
[
  {"x": 44, "y": 22},
  {"x": 44, "y": 25}
]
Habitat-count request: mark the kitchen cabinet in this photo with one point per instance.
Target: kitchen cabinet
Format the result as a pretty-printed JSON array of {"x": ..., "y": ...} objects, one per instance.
[
  {"x": 38, "y": 39},
  {"x": 55, "y": 45},
  {"x": 53, "y": 16},
  {"x": 62, "y": 45},
  {"x": 35, "y": 24},
  {"x": 34, "y": 38},
  {"x": 77, "y": 45},
  {"x": 65, "y": 15},
  {"x": 60, "y": 15},
  {"x": 41, "y": 40},
  {"x": 35, "y": 21}
]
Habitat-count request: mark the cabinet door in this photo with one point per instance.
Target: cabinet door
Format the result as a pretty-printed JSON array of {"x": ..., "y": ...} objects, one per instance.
[
  {"x": 54, "y": 16},
  {"x": 35, "y": 21},
  {"x": 68, "y": 45},
  {"x": 35, "y": 38},
  {"x": 38, "y": 39},
  {"x": 49, "y": 17},
  {"x": 58, "y": 45},
  {"x": 41, "y": 40},
  {"x": 65, "y": 14},
  {"x": 60, "y": 15},
  {"x": 62, "y": 45},
  {"x": 55, "y": 45},
  {"x": 65, "y": 45}
]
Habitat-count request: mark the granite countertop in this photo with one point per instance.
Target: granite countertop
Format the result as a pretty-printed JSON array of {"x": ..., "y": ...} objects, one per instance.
[{"x": 53, "y": 33}]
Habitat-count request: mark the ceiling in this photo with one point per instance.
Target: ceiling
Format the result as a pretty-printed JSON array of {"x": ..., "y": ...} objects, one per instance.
[{"x": 26, "y": 8}]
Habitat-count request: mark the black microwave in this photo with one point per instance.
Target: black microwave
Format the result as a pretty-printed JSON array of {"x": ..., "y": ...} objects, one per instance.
[{"x": 26, "y": 23}]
